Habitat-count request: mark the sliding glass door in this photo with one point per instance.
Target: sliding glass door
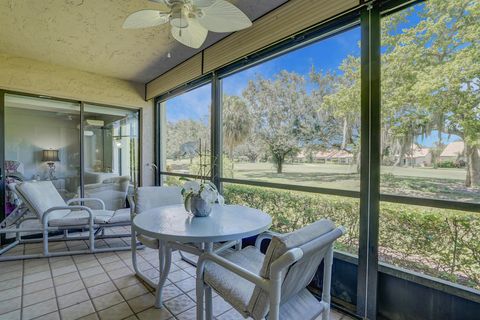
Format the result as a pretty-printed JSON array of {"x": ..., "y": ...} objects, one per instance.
[{"x": 83, "y": 149}]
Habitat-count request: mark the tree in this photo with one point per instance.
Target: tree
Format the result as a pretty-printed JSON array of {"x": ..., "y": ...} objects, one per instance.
[
  {"x": 435, "y": 64},
  {"x": 278, "y": 108},
  {"x": 237, "y": 122}
]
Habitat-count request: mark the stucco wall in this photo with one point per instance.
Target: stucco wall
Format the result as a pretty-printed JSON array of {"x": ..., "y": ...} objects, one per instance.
[{"x": 30, "y": 76}]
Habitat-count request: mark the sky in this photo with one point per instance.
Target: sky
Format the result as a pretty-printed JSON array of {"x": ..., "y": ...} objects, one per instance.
[{"x": 327, "y": 54}]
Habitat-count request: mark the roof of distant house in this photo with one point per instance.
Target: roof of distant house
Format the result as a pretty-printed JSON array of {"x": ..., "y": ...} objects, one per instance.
[
  {"x": 419, "y": 152},
  {"x": 453, "y": 149}
]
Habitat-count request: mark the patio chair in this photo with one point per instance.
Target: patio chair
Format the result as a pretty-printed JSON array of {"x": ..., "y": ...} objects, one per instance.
[
  {"x": 271, "y": 285},
  {"x": 146, "y": 198},
  {"x": 152, "y": 197},
  {"x": 45, "y": 205}
]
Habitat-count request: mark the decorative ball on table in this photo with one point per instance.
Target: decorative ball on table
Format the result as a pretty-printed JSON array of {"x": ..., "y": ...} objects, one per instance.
[{"x": 199, "y": 197}]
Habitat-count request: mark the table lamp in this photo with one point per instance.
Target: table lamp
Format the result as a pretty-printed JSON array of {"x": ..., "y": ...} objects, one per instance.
[{"x": 51, "y": 156}]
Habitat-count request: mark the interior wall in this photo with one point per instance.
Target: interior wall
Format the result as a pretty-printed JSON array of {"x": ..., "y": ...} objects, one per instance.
[
  {"x": 26, "y": 136},
  {"x": 30, "y": 76}
]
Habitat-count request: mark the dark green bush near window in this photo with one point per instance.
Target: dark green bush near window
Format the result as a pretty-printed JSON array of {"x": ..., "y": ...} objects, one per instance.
[{"x": 438, "y": 242}]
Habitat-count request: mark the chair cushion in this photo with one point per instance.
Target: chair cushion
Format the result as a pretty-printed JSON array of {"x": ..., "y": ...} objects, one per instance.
[
  {"x": 80, "y": 218},
  {"x": 148, "y": 241},
  {"x": 41, "y": 196},
  {"x": 233, "y": 288},
  {"x": 152, "y": 197},
  {"x": 259, "y": 303},
  {"x": 120, "y": 215}
]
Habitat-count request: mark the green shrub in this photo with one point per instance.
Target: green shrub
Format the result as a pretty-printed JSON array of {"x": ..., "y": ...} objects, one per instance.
[{"x": 439, "y": 242}]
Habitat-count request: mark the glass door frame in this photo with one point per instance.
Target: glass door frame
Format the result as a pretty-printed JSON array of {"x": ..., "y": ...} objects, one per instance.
[{"x": 81, "y": 104}]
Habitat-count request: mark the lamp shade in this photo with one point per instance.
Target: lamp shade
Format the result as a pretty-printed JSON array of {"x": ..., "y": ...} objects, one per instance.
[{"x": 50, "y": 155}]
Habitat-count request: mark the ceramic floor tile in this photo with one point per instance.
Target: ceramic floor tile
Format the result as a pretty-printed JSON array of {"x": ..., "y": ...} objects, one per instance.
[
  {"x": 38, "y": 296},
  {"x": 10, "y": 293},
  {"x": 10, "y": 305},
  {"x": 12, "y": 283},
  {"x": 85, "y": 273},
  {"x": 142, "y": 302},
  {"x": 171, "y": 291},
  {"x": 69, "y": 287},
  {"x": 13, "y": 315},
  {"x": 101, "y": 289},
  {"x": 70, "y": 299},
  {"x": 232, "y": 314},
  {"x": 220, "y": 306},
  {"x": 179, "y": 304},
  {"x": 51, "y": 316},
  {"x": 37, "y": 286},
  {"x": 116, "y": 312},
  {"x": 107, "y": 300},
  {"x": 187, "y": 315},
  {"x": 155, "y": 314},
  {"x": 187, "y": 284},
  {"x": 178, "y": 276},
  {"x": 66, "y": 278},
  {"x": 77, "y": 311},
  {"x": 37, "y": 277},
  {"x": 133, "y": 291},
  {"x": 39, "y": 309},
  {"x": 126, "y": 281},
  {"x": 96, "y": 280}
]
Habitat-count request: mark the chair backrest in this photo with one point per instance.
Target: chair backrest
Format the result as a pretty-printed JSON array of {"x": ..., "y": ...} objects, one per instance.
[
  {"x": 40, "y": 196},
  {"x": 112, "y": 191},
  {"x": 311, "y": 239},
  {"x": 152, "y": 197}
]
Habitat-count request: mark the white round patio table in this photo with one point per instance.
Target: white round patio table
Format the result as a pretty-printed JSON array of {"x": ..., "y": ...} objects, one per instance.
[{"x": 173, "y": 225}]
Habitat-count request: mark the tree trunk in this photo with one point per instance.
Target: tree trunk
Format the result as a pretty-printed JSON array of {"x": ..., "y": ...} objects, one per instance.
[
  {"x": 279, "y": 159},
  {"x": 473, "y": 166}
]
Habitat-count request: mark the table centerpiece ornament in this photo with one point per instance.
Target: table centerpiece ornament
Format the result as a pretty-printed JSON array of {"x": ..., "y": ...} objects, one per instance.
[{"x": 199, "y": 197}]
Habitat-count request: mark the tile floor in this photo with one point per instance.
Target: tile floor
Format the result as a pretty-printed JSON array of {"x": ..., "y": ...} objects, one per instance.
[{"x": 99, "y": 286}]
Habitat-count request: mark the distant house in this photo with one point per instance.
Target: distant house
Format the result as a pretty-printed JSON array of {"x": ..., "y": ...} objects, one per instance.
[
  {"x": 453, "y": 151},
  {"x": 418, "y": 157},
  {"x": 301, "y": 156},
  {"x": 334, "y": 156}
]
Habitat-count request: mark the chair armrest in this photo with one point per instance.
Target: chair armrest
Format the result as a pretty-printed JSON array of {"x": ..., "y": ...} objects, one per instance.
[
  {"x": 267, "y": 235},
  {"x": 242, "y": 272},
  {"x": 75, "y": 200},
  {"x": 284, "y": 261},
  {"x": 131, "y": 201},
  {"x": 50, "y": 210}
]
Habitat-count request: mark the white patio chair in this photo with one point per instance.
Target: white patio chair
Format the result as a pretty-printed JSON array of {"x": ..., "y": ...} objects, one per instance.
[
  {"x": 152, "y": 197},
  {"x": 271, "y": 285},
  {"x": 146, "y": 198},
  {"x": 54, "y": 214}
]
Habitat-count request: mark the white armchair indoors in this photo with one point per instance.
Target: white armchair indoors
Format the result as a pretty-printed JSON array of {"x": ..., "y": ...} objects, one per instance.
[{"x": 273, "y": 285}]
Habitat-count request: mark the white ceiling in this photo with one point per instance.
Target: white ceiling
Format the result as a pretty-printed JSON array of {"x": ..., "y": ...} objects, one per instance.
[{"x": 88, "y": 35}]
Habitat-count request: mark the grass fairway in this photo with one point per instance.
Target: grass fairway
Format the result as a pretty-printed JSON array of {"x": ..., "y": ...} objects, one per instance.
[{"x": 439, "y": 183}]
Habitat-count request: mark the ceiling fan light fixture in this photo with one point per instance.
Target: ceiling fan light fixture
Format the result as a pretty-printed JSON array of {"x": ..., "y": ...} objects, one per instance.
[{"x": 178, "y": 18}]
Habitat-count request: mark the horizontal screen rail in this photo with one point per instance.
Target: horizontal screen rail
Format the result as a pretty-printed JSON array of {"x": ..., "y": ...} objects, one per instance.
[{"x": 423, "y": 202}]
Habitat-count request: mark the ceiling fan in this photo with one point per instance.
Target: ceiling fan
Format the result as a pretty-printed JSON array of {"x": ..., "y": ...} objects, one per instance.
[{"x": 190, "y": 20}]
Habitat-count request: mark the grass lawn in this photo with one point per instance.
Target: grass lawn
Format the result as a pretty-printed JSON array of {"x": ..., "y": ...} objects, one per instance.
[{"x": 442, "y": 183}]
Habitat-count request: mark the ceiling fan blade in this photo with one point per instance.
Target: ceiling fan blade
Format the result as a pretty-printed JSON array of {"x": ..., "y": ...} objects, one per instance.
[
  {"x": 192, "y": 36},
  {"x": 164, "y": 5},
  {"x": 203, "y": 3},
  {"x": 223, "y": 16},
  {"x": 145, "y": 19}
]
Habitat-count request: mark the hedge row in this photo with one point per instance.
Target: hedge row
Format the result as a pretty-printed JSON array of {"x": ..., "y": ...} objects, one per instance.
[{"x": 438, "y": 242}]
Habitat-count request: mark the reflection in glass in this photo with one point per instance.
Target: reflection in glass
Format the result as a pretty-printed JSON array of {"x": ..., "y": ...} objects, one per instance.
[
  {"x": 110, "y": 153},
  {"x": 36, "y": 128}
]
